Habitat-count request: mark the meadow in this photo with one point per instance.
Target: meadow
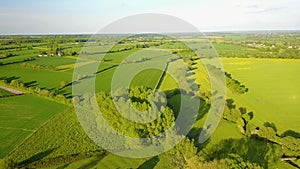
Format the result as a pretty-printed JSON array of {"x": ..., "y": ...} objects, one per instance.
[
  {"x": 19, "y": 118},
  {"x": 4, "y": 93},
  {"x": 32, "y": 77},
  {"x": 273, "y": 89},
  {"x": 38, "y": 133}
]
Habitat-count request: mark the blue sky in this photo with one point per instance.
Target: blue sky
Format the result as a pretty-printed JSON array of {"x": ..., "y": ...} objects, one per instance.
[{"x": 88, "y": 16}]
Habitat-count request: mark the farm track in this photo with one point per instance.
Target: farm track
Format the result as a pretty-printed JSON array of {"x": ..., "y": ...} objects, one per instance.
[{"x": 17, "y": 92}]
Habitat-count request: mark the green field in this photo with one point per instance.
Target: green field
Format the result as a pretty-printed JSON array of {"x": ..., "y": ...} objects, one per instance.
[
  {"x": 41, "y": 78},
  {"x": 36, "y": 132},
  {"x": 147, "y": 78},
  {"x": 19, "y": 118},
  {"x": 109, "y": 161},
  {"x": 4, "y": 93},
  {"x": 55, "y": 61},
  {"x": 274, "y": 91}
]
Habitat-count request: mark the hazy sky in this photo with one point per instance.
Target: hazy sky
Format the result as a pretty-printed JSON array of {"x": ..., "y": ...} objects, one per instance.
[{"x": 88, "y": 16}]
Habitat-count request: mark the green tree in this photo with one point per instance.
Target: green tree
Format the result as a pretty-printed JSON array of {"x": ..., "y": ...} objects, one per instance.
[
  {"x": 7, "y": 163},
  {"x": 63, "y": 83}
]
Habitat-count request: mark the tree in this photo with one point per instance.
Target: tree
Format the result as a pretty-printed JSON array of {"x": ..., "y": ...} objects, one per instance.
[
  {"x": 15, "y": 83},
  {"x": 7, "y": 163},
  {"x": 63, "y": 83},
  {"x": 180, "y": 155}
]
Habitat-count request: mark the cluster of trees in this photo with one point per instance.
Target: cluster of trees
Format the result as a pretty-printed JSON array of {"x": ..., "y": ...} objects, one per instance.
[
  {"x": 52, "y": 94},
  {"x": 275, "y": 46},
  {"x": 7, "y": 163},
  {"x": 235, "y": 85},
  {"x": 186, "y": 155},
  {"x": 138, "y": 99},
  {"x": 6, "y": 55},
  {"x": 289, "y": 140},
  {"x": 285, "y": 145},
  {"x": 139, "y": 60},
  {"x": 38, "y": 67},
  {"x": 240, "y": 116}
]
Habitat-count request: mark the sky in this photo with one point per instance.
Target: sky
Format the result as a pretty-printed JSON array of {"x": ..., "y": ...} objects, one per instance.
[{"x": 89, "y": 16}]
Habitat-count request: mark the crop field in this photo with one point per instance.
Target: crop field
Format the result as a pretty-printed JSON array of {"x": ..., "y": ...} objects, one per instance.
[
  {"x": 19, "y": 118},
  {"x": 274, "y": 93}
]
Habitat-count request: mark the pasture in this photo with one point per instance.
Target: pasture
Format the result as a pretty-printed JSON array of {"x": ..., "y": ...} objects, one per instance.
[
  {"x": 21, "y": 116},
  {"x": 36, "y": 132},
  {"x": 147, "y": 78},
  {"x": 55, "y": 61},
  {"x": 4, "y": 93},
  {"x": 108, "y": 161},
  {"x": 32, "y": 77},
  {"x": 274, "y": 92}
]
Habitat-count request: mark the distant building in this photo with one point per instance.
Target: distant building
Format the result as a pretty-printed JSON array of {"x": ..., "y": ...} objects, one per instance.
[{"x": 60, "y": 53}]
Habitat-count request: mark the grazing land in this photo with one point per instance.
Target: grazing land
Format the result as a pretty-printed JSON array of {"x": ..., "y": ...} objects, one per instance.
[
  {"x": 21, "y": 116},
  {"x": 274, "y": 93},
  {"x": 259, "y": 127},
  {"x": 4, "y": 93}
]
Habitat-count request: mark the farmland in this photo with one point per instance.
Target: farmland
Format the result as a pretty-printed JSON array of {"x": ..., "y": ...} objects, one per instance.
[
  {"x": 4, "y": 93},
  {"x": 19, "y": 118},
  {"x": 40, "y": 129},
  {"x": 274, "y": 92}
]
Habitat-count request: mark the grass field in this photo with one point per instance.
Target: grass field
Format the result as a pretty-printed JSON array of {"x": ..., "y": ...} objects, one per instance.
[
  {"x": 110, "y": 162},
  {"x": 147, "y": 78},
  {"x": 274, "y": 91},
  {"x": 36, "y": 132},
  {"x": 4, "y": 93},
  {"x": 19, "y": 118},
  {"x": 59, "y": 136},
  {"x": 42, "y": 78},
  {"x": 55, "y": 61}
]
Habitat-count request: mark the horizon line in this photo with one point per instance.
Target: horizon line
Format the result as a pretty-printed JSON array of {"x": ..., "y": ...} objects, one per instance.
[{"x": 124, "y": 33}]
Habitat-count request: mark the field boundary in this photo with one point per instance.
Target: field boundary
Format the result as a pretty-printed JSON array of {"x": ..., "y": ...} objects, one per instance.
[{"x": 14, "y": 91}]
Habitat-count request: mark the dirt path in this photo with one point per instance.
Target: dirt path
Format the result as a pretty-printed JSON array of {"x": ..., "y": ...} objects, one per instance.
[{"x": 17, "y": 92}]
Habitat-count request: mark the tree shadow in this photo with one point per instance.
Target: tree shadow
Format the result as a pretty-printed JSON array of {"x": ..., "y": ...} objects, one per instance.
[
  {"x": 253, "y": 150},
  {"x": 94, "y": 162},
  {"x": 31, "y": 84},
  {"x": 10, "y": 63},
  {"x": 9, "y": 79},
  {"x": 291, "y": 133},
  {"x": 100, "y": 71},
  {"x": 36, "y": 157},
  {"x": 64, "y": 166},
  {"x": 149, "y": 164}
]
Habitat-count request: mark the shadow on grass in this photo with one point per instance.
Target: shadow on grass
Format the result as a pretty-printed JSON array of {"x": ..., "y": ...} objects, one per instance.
[
  {"x": 94, "y": 162},
  {"x": 36, "y": 157},
  {"x": 31, "y": 84},
  {"x": 291, "y": 133},
  {"x": 9, "y": 79},
  {"x": 149, "y": 164},
  {"x": 253, "y": 150},
  {"x": 64, "y": 166}
]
